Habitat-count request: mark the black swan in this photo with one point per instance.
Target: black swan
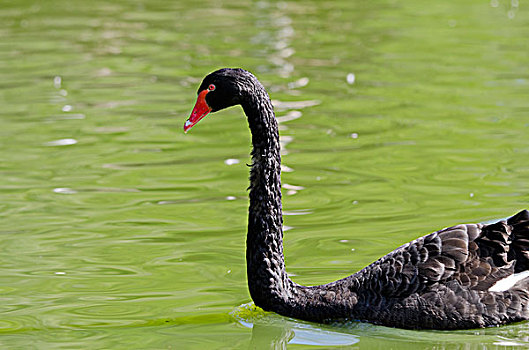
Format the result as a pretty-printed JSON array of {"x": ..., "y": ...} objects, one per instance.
[{"x": 465, "y": 276}]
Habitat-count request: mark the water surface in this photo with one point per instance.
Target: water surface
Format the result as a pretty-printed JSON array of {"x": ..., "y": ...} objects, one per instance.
[{"x": 119, "y": 231}]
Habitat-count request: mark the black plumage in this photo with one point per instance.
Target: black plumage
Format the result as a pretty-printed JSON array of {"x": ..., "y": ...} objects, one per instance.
[{"x": 444, "y": 280}]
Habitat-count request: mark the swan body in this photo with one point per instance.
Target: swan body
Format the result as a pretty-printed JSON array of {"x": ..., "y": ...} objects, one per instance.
[{"x": 465, "y": 276}]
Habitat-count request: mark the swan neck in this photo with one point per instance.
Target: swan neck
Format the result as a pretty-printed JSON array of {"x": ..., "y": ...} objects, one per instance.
[
  {"x": 269, "y": 285},
  {"x": 268, "y": 282}
]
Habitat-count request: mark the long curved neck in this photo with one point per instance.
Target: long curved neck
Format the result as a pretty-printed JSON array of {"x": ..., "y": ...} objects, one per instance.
[
  {"x": 268, "y": 282},
  {"x": 270, "y": 287}
]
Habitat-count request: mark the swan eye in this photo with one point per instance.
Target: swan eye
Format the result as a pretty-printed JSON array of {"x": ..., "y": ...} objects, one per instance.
[{"x": 211, "y": 87}]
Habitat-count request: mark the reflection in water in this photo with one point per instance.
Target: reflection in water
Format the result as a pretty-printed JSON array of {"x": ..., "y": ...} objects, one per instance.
[
  {"x": 278, "y": 44},
  {"x": 282, "y": 105},
  {"x": 289, "y": 116},
  {"x": 277, "y": 336},
  {"x": 61, "y": 142},
  {"x": 269, "y": 336},
  {"x": 271, "y": 331}
]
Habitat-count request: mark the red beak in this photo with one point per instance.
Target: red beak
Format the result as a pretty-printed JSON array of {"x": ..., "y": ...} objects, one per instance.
[{"x": 200, "y": 110}]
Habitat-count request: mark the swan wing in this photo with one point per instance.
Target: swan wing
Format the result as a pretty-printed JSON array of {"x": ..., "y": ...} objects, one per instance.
[{"x": 473, "y": 256}]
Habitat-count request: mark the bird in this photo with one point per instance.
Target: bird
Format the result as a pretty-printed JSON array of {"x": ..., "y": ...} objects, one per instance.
[{"x": 461, "y": 277}]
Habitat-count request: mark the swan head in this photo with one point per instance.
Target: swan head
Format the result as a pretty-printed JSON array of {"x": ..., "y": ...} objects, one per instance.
[{"x": 220, "y": 89}]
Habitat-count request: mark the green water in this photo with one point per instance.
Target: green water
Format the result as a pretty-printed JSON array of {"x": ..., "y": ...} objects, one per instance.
[{"x": 119, "y": 231}]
